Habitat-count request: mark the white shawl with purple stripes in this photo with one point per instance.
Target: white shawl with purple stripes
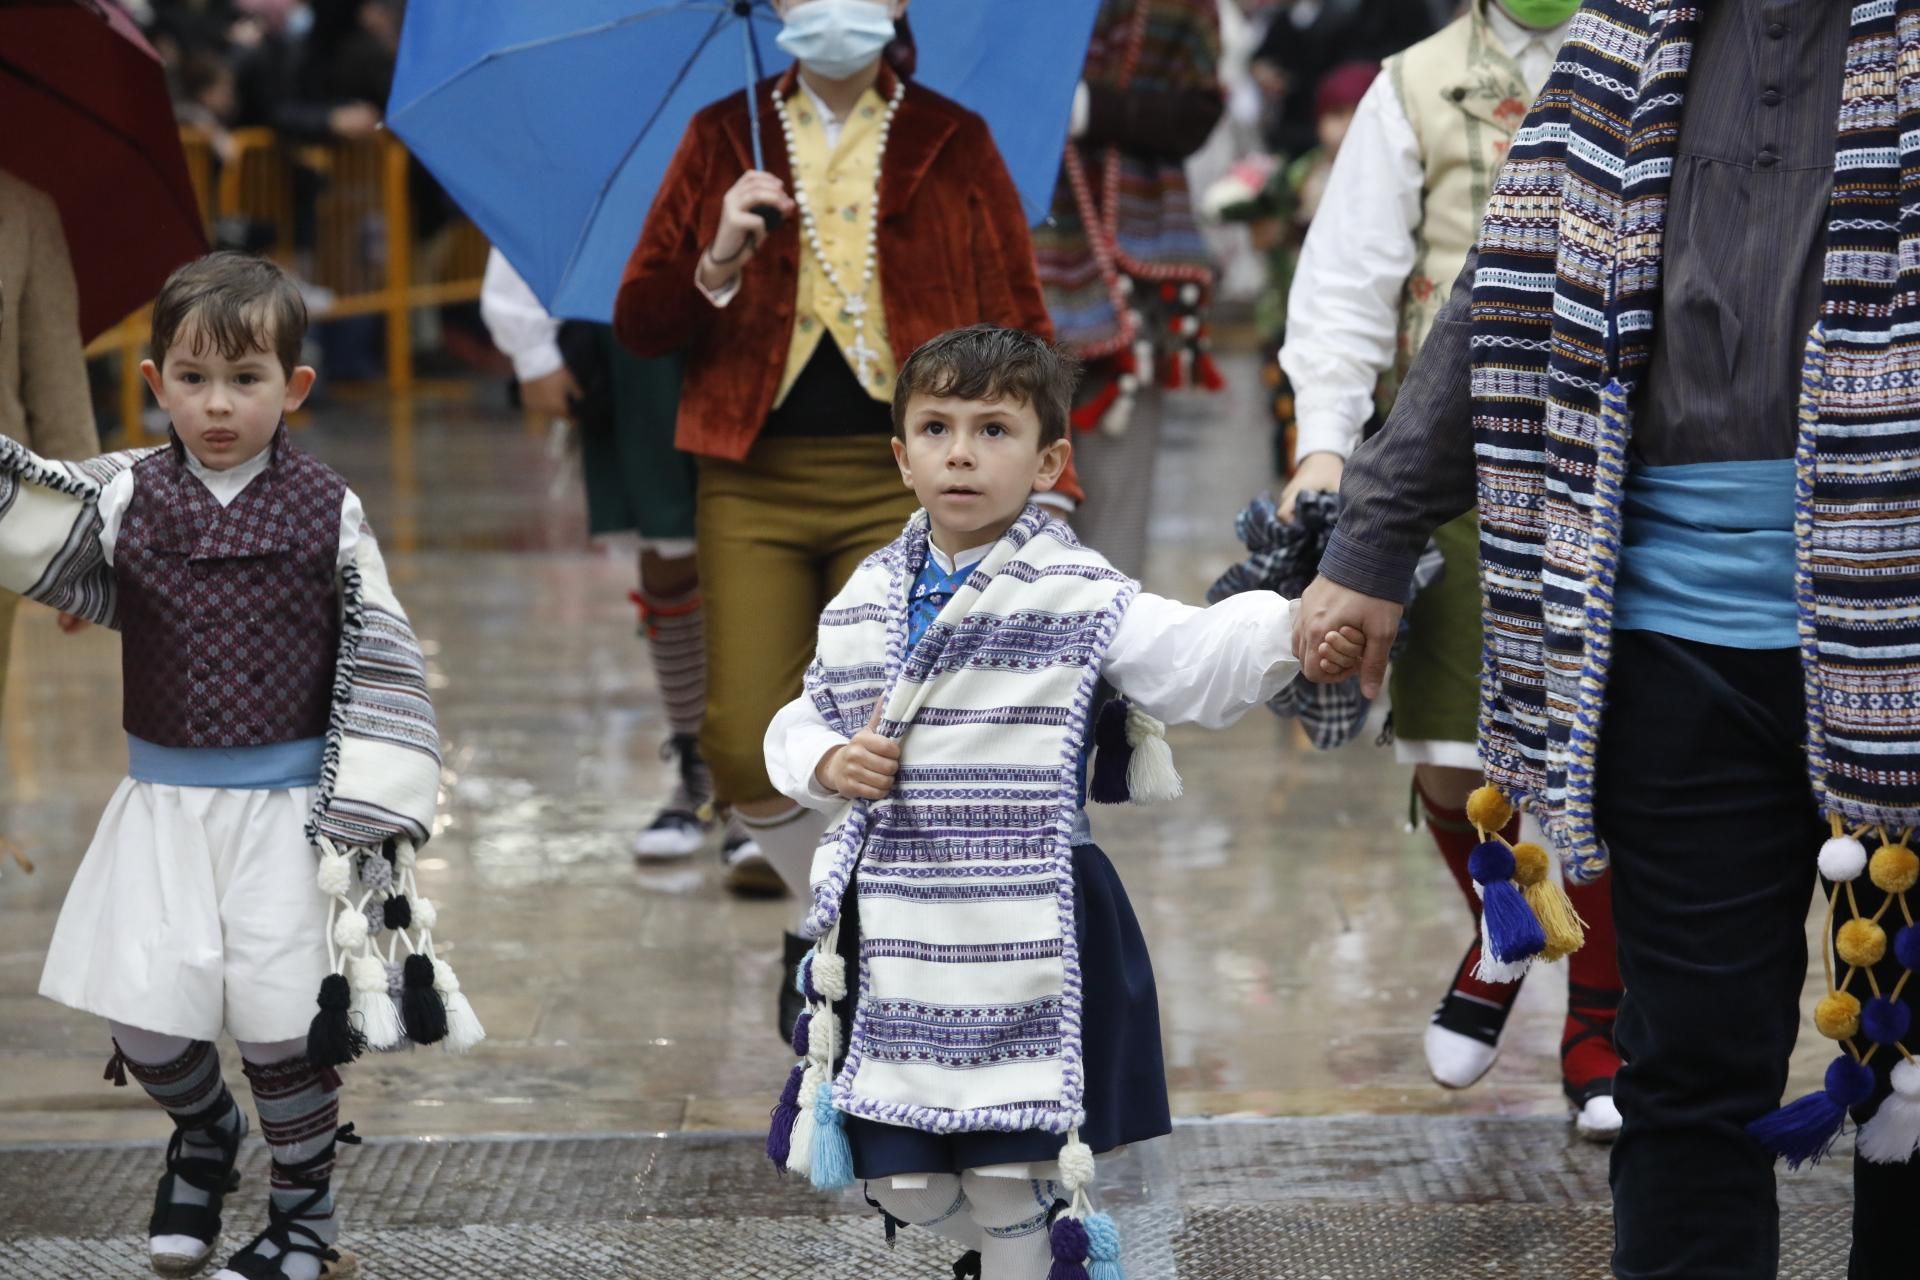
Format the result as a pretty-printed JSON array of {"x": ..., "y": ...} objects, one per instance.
[{"x": 969, "y": 995}]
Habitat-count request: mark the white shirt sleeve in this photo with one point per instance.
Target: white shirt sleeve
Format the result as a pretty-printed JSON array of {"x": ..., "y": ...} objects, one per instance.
[
  {"x": 1343, "y": 315},
  {"x": 353, "y": 526},
  {"x": 797, "y": 740},
  {"x": 718, "y": 297},
  {"x": 114, "y": 501},
  {"x": 1208, "y": 666},
  {"x": 520, "y": 326}
]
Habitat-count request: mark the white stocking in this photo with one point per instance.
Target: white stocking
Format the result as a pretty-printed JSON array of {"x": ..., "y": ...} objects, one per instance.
[{"x": 1012, "y": 1216}]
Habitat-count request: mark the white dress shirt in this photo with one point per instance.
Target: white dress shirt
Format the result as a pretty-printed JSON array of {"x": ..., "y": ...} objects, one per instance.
[
  {"x": 1176, "y": 662},
  {"x": 1343, "y": 314},
  {"x": 521, "y": 327}
]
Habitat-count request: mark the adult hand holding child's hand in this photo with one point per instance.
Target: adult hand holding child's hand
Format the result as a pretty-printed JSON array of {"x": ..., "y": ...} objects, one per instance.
[{"x": 865, "y": 767}]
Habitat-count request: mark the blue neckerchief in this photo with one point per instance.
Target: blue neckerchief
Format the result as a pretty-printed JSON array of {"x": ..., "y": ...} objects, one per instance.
[{"x": 931, "y": 590}]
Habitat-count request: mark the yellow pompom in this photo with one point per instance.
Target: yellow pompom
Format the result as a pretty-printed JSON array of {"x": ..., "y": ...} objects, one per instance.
[
  {"x": 1837, "y": 1016},
  {"x": 1529, "y": 864},
  {"x": 1861, "y": 943},
  {"x": 1894, "y": 868},
  {"x": 1488, "y": 809}
]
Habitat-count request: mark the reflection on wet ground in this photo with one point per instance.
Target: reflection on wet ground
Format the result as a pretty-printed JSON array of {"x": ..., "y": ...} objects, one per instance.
[{"x": 1301, "y": 934}]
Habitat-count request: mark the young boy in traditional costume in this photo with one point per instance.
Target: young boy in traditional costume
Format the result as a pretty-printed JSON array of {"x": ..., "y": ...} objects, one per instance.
[
  {"x": 275, "y": 707},
  {"x": 1004, "y": 1027}
]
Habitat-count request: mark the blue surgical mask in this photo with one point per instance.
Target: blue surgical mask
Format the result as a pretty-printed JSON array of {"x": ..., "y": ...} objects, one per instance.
[{"x": 837, "y": 38}]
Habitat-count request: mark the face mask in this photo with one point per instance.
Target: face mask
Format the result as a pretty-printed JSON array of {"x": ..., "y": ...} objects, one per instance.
[
  {"x": 837, "y": 38},
  {"x": 1541, "y": 15}
]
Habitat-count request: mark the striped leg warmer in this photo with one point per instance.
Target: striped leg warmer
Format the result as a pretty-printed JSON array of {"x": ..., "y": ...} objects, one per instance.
[
  {"x": 183, "y": 1076},
  {"x": 676, "y": 632},
  {"x": 299, "y": 1108}
]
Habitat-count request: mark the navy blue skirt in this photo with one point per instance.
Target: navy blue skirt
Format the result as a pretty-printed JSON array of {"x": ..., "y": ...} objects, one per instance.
[{"x": 1126, "y": 1078}]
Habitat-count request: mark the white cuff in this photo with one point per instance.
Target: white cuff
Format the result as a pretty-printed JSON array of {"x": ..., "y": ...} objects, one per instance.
[
  {"x": 718, "y": 297},
  {"x": 1323, "y": 432},
  {"x": 812, "y": 743},
  {"x": 538, "y": 362}
]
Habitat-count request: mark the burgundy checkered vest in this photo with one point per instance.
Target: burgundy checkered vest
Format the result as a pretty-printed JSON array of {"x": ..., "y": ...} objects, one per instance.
[{"x": 230, "y": 618}]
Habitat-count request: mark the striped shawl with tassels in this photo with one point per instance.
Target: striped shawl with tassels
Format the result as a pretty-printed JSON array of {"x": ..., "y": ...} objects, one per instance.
[
  {"x": 380, "y": 775},
  {"x": 1564, "y": 301}
]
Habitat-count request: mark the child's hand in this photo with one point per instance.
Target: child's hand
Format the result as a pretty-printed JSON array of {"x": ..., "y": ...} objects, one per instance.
[
  {"x": 864, "y": 768},
  {"x": 72, "y": 624},
  {"x": 1340, "y": 652}
]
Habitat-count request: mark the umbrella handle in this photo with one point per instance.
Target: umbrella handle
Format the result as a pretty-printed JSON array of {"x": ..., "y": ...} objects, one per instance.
[{"x": 743, "y": 9}]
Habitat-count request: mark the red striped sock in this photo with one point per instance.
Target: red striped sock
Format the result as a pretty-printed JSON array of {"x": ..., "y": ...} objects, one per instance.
[
  {"x": 676, "y": 631},
  {"x": 1593, "y": 991}
]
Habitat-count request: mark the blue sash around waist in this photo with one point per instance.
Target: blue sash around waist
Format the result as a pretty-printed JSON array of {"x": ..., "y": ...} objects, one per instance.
[
  {"x": 1707, "y": 554},
  {"x": 277, "y": 766}
]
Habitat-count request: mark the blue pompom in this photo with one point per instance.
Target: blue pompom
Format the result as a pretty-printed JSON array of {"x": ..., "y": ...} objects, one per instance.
[
  {"x": 1906, "y": 947},
  {"x": 832, "y": 1155},
  {"x": 1491, "y": 863},
  {"x": 1849, "y": 1083},
  {"x": 1886, "y": 1021},
  {"x": 1513, "y": 931}
]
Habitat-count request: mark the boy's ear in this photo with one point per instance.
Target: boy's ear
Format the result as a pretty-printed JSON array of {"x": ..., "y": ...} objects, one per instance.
[
  {"x": 1053, "y": 464},
  {"x": 151, "y": 372},
  {"x": 299, "y": 386},
  {"x": 900, "y": 459}
]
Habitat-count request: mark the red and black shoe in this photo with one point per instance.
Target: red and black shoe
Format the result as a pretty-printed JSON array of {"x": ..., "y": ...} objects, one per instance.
[
  {"x": 1463, "y": 1040},
  {"x": 1588, "y": 1061}
]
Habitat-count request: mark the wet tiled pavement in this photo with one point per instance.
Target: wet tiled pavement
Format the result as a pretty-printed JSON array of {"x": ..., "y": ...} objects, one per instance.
[{"x": 1300, "y": 933}]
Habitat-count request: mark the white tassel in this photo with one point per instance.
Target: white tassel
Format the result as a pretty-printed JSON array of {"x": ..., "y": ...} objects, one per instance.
[
  {"x": 1893, "y": 1135},
  {"x": 800, "y": 1149},
  {"x": 463, "y": 1024},
  {"x": 379, "y": 1017},
  {"x": 425, "y": 914},
  {"x": 1491, "y": 970},
  {"x": 1151, "y": 776}
]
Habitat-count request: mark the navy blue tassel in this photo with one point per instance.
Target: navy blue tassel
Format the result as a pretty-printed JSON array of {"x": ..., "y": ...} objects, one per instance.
[
  {"x": 422, "y": 1012},
  {"x": 1513, "y": 931},
  {"x": 1069, "y": 1243},
  {"x": 802, "y": 1034},
  {"x": 1805, "y": 1129},
  {"x": 785, "y": 1113},
  {"x": 332, "y": 1039},
  {"x": 1112, "y": 755}
]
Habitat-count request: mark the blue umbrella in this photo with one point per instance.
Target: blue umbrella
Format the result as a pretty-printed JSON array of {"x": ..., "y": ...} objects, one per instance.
[{"x": 552, "y": 124}]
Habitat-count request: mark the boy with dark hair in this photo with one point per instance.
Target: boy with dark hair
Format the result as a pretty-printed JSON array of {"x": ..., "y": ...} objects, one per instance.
[
  {"x": 1004, "y": 1023},
  {"x": 276, "y": 708}
]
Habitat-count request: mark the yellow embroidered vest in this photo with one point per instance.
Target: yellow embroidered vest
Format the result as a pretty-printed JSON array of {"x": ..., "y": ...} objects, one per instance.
[
  {"x": 842, "y": 186},
  {"x": 1465, "y": 98}
]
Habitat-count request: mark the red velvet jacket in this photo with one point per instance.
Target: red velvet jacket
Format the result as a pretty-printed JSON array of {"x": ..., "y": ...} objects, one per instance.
[{"x": 954, "y": 251}]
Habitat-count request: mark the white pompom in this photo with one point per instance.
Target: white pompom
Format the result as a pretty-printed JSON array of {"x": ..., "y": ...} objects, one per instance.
[
  {"x": 1151, "y": 776},
  {"x": 350, "y": 931},
  {"x": 830, "y": 975},
  {"x": 1893, "y": 1135},
  {"x": 1120, "y": 416},
  {"x": 1843, "y": 858},
  {"x": 1190, "y": 294},
  {"x": 445, "y": 980},
  {"x": 822, "y": 1031},
  {"x": 405, "y": 855},
  {"x": 1076, "y": 1166},
  {"x": 1125, "y": 285},
  {"x": 425, "y": 914},
  {"x": 379, "y": 1018},
  {"x": 336, "y": 873}
]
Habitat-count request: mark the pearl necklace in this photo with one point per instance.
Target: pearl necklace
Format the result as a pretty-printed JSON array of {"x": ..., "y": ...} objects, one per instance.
[{"x": 854, "y": 306}]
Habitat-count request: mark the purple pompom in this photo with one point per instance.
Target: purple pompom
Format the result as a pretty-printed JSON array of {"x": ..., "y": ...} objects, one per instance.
[
  {"x": 802, "y": 1034},
  {"x": 1886, "y": 1021},
  {"x": 1906, "y": 947},
  {"x": 786, "y": 1113},
  {"x": 1069, "y": 1240}
]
